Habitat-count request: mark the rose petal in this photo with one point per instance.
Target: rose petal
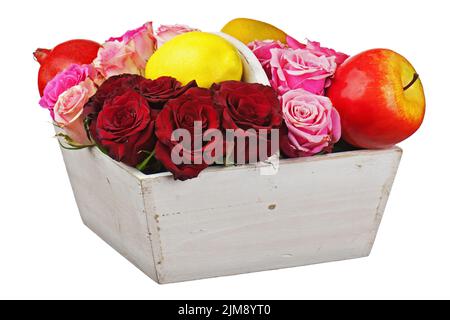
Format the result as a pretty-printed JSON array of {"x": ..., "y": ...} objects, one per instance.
[{"x": 312, "y": 125}]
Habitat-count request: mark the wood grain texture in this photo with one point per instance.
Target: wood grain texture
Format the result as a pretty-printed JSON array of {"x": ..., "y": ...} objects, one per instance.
[
  {"x": 235, "y": 220},
  {"x": 110, "y": 200}
]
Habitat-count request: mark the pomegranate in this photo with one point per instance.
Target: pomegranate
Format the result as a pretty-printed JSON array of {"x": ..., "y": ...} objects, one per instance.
[{"x": 62, "y": 56}]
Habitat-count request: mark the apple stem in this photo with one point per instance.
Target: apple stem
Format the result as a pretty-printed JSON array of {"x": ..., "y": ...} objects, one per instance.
[{"x": 409, "y": 85}]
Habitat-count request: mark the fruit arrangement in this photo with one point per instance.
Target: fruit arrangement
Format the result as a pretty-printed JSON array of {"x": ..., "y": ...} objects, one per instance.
[{"x": 180, "y": 99}]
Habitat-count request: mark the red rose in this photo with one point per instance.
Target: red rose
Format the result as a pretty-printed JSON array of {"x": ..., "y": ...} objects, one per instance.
[
  {"x": 249, "y": 106},
  {"x": 124, "y": 128},
  {"x": 122, "y": 138},
  {"x": 195, "y": 105},
  {"x": 112, "y": 87},
  {"x": 156, "y": 92},
  {"x": 159, "y": 91}
]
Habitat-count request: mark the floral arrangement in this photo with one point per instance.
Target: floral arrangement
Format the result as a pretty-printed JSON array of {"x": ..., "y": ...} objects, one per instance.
[{"x": 107, "y": 100}]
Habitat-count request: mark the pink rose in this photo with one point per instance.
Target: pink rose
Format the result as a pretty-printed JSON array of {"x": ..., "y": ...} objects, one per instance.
[
  {"x": 114, "y": 58},
  {"x": 167, "y": 32},
  {"x": 262, "y": 50},
  {"x": 69, "y": 110},
  {"x": 126, "y": 54},
  {"x": 315, "y": 48},
  {"x": 63, "y": 81},
  {"x": 312, "y": 124},
  {"x": 300, "y": 69}
]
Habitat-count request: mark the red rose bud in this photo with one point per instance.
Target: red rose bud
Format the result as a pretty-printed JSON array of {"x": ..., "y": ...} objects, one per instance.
[
  {"x": 191, "y": 115},
  {"x": 125, "y": 128},
  {"x": 253, "y": 108},
  {"x": 111, "y": 88},
  {"x": 159, "y": 91},
  {"x": 156, "y": 92}
]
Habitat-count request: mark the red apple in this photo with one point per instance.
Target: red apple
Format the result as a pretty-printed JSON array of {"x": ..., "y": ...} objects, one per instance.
[
  {"x": 62, "y": 56},
  {"x": 380, "y": 99}
]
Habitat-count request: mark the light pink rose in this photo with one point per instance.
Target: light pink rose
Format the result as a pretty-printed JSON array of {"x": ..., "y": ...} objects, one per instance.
[
  {"x": 312, "y": 124},
  {"x": 167, "y": 32},
  {"x": 262, "y": 50},
  {"x": 126, "y": 54},
  {"x": 69, "y": 110},
  {"x": 115, "y": 58},
  {"x": 63, "y": 81},
  {"x": 315, "y": 48},
  {"x": 300, "y": 69}
]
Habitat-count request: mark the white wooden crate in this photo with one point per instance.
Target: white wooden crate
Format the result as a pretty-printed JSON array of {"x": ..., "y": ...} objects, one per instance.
[{"x": 235, "y": 220}]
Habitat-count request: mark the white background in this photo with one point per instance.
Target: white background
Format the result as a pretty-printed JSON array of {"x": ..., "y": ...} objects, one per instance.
[{"x": 46, "y": 252}]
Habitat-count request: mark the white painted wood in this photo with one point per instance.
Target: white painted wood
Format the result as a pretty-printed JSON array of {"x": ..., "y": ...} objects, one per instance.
[
  {"x": 110, "y": 200},
  {"x": 235, "y": 220}
]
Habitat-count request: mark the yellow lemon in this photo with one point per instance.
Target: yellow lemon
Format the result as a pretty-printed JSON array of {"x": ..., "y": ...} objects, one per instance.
[
  {"x": 204, "y": 57},
  {"x": 248, "y": 30}
]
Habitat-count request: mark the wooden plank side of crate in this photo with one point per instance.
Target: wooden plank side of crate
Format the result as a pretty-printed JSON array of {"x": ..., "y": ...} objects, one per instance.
[
  {"x": 110, "y": 201},
  {"x": 234, "y": 220}
]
